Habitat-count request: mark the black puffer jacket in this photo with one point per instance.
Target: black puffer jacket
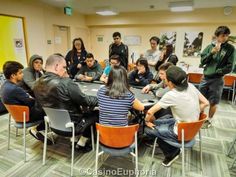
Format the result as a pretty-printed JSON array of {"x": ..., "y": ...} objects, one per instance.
[{"x": 54, "y": 91}]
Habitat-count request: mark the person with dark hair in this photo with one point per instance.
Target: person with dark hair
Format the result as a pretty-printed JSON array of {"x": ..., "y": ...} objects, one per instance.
[
  {"x": 115, "y": 99},
  {"x": 119, "y": 48},
  {"x": 152, "y": 55},
  {"x": 167, "y": 55},
  {"x": 92, "y": 71},
  {"x": 33, "y": 72},
  {"x": 53, "y": 90},
  {"x": 185, "y": 102},
  {"x": 141, "y": 76},
  {"x": 113, "y": 61},
  {"x": 217, "y": 59},
  {"x": 75, "y": 58},
  {"x": 161, "y": 88},
  {"x": 13, "y": 94}
]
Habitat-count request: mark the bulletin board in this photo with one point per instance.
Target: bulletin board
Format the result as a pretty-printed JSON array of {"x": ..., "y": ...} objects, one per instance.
[
  {"x": 12, "y": 43},
  {"x": 134, "y": 40}
]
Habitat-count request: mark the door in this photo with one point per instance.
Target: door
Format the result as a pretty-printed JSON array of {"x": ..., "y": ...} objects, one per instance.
[{"x": 61, "y": 36}]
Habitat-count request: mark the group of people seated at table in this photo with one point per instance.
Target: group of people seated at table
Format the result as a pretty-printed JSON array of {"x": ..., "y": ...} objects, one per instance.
[{"x": 55, "y": 89}]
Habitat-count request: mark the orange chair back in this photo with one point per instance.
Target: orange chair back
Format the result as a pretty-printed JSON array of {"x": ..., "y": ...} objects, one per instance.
[
  {"x": 195, "y": 77},
  {"x": 17, "y": 111},
  {"x": 102, "y": 64},
  {"x": 190, "y": 128},
  {"x": 229, "y": 80},
  {"x": 131, "y": 66},
  {"x": 117, "y": 137}
]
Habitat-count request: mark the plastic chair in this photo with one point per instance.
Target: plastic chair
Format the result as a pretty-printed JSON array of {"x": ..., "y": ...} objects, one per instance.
[
  {"x": 195, "y": 78},
  {"x": 186, "y": 137},
  {"x": 102, "y": 63},
  {"x": 60, "y": 123},
  {"x": 20, "y": 114},
  {"x": 229, "y": 84},
  {"x": 131, "y": 66},
  {"x": 117, "y": 141}
]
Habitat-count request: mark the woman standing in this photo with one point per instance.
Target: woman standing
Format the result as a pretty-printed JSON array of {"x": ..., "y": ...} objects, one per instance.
[{"x": 75, "y": 58}]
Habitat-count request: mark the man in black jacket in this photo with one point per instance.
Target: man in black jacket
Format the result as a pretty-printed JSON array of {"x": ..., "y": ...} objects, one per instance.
[
  {"x": 119, "y": 48},
  {"x": 54, "y": 90}
]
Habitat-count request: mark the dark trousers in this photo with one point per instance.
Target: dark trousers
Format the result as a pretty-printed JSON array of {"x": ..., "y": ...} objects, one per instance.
[
  {"x": 167, "y": 149},
  {"x": 37, "y": 114}
]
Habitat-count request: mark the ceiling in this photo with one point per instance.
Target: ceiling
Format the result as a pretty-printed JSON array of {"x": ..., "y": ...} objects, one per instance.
[{"x": 90, "y": 6}]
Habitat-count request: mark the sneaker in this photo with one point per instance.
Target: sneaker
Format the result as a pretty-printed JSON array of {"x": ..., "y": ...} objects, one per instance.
[
  {"x": 33, "y": 132},
  {"x": 83, "y": 149},
  {"x": 168, "y": 161},
  {"x": 41, "y": 138},
  {"x": 207, "y": 124}
]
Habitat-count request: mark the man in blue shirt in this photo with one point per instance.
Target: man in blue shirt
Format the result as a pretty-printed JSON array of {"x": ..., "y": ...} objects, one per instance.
[
  {"x": 114, "y": 61},
  {"x": 13, "y": 94}
]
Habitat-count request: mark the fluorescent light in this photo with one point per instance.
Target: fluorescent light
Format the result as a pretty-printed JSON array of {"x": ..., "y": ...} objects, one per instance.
[
  {"x": 181, "y": 6},
  {"x": 106, "y": 13}
]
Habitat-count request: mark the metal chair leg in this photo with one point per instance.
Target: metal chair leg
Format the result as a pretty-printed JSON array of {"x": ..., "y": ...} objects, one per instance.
[
  {"x": 9, "y": 131},
  {"x": 200, "y": 146},
  {"x": 97, "y": 148},
  {"x": 24, "y": 137},
  {"x": 183, "y": 153},
  {"x": 136, "y": 153},
  {"x": 72, "y": 151},
  {"x": 154, "y": 147},
  {"x": 92, "y": 138},
  {"x": 45, "y": 141}
]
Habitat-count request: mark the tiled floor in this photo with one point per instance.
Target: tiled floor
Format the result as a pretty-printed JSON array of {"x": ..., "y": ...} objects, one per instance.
[{"x": 216, "y": 141}]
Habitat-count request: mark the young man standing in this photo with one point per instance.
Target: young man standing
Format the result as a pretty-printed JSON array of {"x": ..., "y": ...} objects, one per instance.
[
  {"x": 217, "y": 60},
  {"x": 152, "y": 55},
  {"x": 119, "y": 48}
]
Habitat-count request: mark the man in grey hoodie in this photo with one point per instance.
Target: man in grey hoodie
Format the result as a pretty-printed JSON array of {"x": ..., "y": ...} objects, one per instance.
[
  {"x": 92, "y": 71},
  {"x": 32, "y": 73}
]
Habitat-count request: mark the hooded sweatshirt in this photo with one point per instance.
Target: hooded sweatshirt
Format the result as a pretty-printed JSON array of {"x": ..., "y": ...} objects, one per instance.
[
  {"x": 95, "y": 71},
  {"x": 30, "y": 75},
  {"x": 218, "y": 64}
]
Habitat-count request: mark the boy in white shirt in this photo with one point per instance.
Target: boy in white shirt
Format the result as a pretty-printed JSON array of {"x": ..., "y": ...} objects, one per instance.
[{"x": 185, "y": 102}]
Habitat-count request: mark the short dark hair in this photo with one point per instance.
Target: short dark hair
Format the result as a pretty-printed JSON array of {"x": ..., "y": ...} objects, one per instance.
[
  {"x": 115, "y": 57},
  {"x": 222, "y": 30},
  {"x": 89, "y": 55},
  {"x": 165, "y": 66},
  {"x": 11, "y": 67},
  {"x": 178, "y": 77},
  {"x": 144, "y": 62},
  {"x": 173, "y": 59},
  {"x": 116, "y": 34},
  {"x": 201, "y": 33},
  {"x": 155, "y": 38}
]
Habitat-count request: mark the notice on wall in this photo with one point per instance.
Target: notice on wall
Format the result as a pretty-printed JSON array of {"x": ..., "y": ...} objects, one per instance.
[{"x": 132, "y": 40}]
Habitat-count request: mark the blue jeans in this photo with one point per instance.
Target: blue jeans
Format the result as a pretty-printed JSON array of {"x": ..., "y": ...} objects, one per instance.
[{"x": 164, "y": 131}]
